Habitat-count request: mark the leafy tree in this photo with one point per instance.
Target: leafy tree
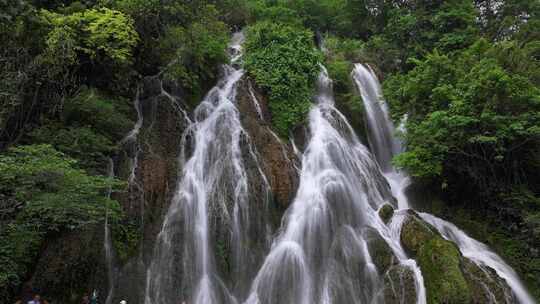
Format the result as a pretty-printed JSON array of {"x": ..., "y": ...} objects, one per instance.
[
  {"x": 283, "y": 61},
  {"x": 501, "y": 20},
  {"x": 413, "y": 30},
  {"x": 341, "y": 55},
  {"x": 263, "y": 10},
  {"x": 468, "y": 116}
]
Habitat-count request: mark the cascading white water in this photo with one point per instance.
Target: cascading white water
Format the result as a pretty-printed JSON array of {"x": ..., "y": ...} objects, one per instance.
[
  {"x": 322, "y": 253},
  {"x": 381, "y": 132},
  {"x": 213, "y": 190},
  {"x": 132, "y": 139},
  {"x": 385, "y": 145}
]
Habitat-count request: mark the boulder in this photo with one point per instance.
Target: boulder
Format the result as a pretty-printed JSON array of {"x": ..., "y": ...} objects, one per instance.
[
  {"x": 380, "y": 252},
  {"x": 440, "y": 262},
  {"x": 439, "y": 259},
  {"x": 386, "y": 212},
  {"x": 415, "y": 232}
]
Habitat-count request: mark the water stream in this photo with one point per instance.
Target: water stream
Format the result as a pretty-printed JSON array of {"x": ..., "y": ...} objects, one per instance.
[{"x": 212, "y": 198}]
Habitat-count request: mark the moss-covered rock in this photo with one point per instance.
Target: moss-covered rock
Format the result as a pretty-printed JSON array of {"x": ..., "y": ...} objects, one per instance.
[
  {"x": 386, "y": 212},
  {"x": 440, "y": 261},
  {"x": 485, "y": 285},
  {"x": 415, "y": 232},
  {"x": 380, "y": 252},
  {"x": 399, "y": 286}
]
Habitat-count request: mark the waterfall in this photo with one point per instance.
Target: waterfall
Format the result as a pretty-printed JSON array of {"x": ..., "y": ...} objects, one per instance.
[
  {"x": 131, "y": 139},
  {"x": 212, "y": 198},
  {"x": 385, "y": 145},
  {"x": 381, "y": 132},
  {"x": 107, "y": 242},
  {"x": 322, "y": 254},
  {"x": 326, "y": 250}
]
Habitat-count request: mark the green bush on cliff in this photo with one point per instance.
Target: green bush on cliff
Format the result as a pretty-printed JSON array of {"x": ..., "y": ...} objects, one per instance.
[
  {"x": 284, "y": 62},
  {"x": 341, "y": 55},
  {"x": 126, "y": 238},
  {"x": 103, "y": 35},
  {"x": 194, "y": 53},
  {"x": 91, "y": 125},
  {"x": 43, "y": 192}
]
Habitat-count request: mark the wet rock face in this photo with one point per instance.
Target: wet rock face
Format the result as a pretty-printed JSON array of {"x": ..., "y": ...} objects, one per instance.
[
  {"x": 277, "y": 157},
  {"x": 151, "y": 192},
  {"x": 399, "y": 286},
  {"x": 380, "y": 252},
  {"x": 68, "y": 266},
  {"x": 486, "y": 286}
]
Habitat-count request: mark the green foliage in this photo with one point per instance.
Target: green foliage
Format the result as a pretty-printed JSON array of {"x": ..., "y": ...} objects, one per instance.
[
  {"x": 55, "y": 194},
  {"x": 509, "y": 19},
  {"x": 126, "y": 238},
  {"x": 109, "y": 115},
  {"x": 468, "y": 115},
  {"x": 196, "y": 51},
  {"x": 89, "y": 129},
  {"x": 263, "y": 10},
  {"x": 47, "y": 194},
  {"x": 412, "y": 31},
  {"x": 341, "y": 55},
  {"x": 103, "y": 35},
  {"x": 83, "y": 143},
  {"x": 283, "y": 61},
  {"x": 349, "y": 18},
  {"x": 18, "y": 246}
]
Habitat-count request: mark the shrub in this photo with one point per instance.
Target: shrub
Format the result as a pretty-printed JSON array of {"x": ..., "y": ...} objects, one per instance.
[{"x": 284, "y": 62}]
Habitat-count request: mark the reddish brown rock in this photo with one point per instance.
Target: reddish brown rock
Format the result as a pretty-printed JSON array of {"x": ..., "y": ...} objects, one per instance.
[{"x": 277, "y": 157}]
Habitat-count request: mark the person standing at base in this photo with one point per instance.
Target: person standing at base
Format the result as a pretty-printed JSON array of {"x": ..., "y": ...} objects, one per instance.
[
  {"x": 36, "y": 299},
  {"x": 94, "y": 298},
  {"x": 85, "y": 299}
]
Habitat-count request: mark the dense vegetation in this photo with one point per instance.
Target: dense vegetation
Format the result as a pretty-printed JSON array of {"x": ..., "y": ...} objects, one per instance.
[
  {"x": 44, "y": 193},
  {"x": 466, "y": 73},
  {"x": 284, "y": 62}
]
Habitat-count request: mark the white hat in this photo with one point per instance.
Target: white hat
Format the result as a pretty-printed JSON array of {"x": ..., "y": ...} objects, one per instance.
[{"x": 123, "y": 302}]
